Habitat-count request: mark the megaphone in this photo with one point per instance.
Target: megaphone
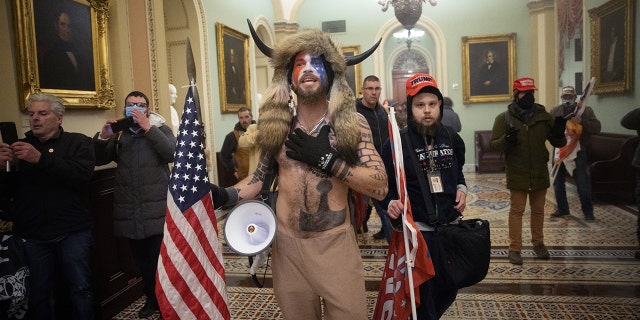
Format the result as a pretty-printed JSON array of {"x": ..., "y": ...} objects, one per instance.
[{"x": 250, "y": 227}]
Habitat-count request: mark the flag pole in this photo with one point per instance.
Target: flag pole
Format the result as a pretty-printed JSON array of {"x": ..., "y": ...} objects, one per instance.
[{"x": 401, "y": 183}]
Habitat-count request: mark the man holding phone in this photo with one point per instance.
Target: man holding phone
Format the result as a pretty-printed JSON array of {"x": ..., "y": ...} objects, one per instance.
[
  {"x": 48, "y": 192},
  {"x": 143, "y": 149}
]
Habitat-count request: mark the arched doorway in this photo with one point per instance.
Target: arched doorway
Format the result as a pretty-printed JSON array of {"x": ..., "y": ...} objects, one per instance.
[{"x": 406, "y": 64}]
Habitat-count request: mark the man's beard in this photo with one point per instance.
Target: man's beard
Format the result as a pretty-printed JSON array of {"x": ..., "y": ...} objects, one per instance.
[
  {"x": 311, "y": 96},
  {"x": 425, "y": 131}
]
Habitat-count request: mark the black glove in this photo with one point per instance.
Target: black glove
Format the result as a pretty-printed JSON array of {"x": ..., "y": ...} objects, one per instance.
[
  {"x": 314, "y": 151},
  {"x": 222, "y": 197},
  {"x": 559, "y": 125},
  {"x": 511, "y": 137}
]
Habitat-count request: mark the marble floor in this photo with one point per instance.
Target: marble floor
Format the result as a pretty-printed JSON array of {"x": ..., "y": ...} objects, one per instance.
[{"x": 592, "y": 273}]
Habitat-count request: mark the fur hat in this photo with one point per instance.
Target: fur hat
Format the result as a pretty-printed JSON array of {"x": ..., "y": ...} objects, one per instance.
[{"x": 275, "y": 115}]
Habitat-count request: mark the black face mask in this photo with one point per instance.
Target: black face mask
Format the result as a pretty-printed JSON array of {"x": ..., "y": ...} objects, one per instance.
[{"x": 526, "y": 101}]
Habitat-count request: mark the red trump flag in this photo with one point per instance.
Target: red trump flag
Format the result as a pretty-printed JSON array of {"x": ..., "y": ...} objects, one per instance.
[
  {"x": 408, "y": 262},
  {"x": 190, "y": 278}
]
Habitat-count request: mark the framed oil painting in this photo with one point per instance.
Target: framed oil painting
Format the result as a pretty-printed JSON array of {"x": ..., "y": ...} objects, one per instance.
[
  {"x": 62, "y": 50},
  {"x": 233, "y": 69},
  {"x": 488, "y": 67},
  {"x": 612, "y": 27},
  {"x": 353, "y": 73}
]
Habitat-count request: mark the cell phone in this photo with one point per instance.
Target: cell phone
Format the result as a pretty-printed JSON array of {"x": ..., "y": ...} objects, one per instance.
[
  {"x": 122, "y": 124},
  {"x": 9, "y": 132}
]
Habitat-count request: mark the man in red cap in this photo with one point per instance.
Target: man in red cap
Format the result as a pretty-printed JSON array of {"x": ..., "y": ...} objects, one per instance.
[
  {"x": 437, "y": 153},
  {"x": 521, "y": 132}
]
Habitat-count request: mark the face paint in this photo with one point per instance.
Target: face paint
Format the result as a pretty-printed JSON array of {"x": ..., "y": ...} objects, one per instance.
[{"x": 305, "y": 64}]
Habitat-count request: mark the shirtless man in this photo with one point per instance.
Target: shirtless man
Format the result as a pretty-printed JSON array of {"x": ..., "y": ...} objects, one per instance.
[{"x": 321, "y": 153}]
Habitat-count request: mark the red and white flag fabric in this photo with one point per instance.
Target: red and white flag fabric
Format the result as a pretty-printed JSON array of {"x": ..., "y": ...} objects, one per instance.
[
  {"x": 408, "y": 261},
  {"x": 190, "y": 278},
  {"x": 567, "y": 153}
]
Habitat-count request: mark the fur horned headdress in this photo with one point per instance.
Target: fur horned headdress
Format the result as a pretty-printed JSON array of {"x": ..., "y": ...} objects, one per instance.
[{"x": 275, "y": 116}]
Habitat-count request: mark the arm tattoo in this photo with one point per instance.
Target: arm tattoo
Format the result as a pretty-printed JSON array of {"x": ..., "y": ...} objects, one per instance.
[
  {"x": 258, "y": 175},
  {"x": 342, "y": 171}
]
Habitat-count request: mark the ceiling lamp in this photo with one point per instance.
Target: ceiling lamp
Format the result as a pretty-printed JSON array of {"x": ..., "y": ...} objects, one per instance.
[{"x": 407, "y": 12}]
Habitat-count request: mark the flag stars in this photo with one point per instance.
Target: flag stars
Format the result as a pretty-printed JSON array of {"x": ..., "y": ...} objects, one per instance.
[
  {"x": 196, "y": 122},
  {"x": 198, "y": 167},
  {"x": 192, "y": 144},
  {"x": 194, "y": 189},
  {"x": 190, "y": 100},
  {"x": 186, "y": 177},
  {"x": 200, "y": 156},
  {"x": 188, "y": 165},
  {"x": 181, "y": 199},
  {"x": 183, "y": 188},
  {"x": 190, "y": 155},
  {"x": 194, "y": 133}
]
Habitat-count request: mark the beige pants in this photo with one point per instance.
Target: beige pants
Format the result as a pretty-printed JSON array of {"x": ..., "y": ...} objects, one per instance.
[
  {"x": 327, "y": 267},
  {"x": 518, "y": 202}
]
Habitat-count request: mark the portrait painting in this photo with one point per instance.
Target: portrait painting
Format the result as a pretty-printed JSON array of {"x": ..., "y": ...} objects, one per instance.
[
  {"x": 353, "y": 73},
  {"x": 612, "y": 28},
  {"x": 64, "y": 44},
  {"x": 63, "y": 50},
  {"x": 233, "y": 69},
  {"x": 488, "y": 67}
]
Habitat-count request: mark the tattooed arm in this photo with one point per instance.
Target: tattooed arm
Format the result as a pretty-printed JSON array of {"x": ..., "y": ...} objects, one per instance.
[
  {"x": 247, "y": 188},
  {"x": 368, "y": 176}
]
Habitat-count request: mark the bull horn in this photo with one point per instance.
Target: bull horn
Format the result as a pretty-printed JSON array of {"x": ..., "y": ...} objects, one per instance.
[
  {"x": 261, "y": 45},
  {"x": 359, "y": 58}
]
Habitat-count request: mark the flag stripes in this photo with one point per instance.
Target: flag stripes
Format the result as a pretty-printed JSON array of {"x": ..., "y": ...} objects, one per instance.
[{"x": 190, "y": 278}]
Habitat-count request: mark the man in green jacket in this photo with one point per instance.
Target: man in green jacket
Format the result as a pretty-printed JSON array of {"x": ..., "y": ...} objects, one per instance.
[{"x": 521, "y": 132}]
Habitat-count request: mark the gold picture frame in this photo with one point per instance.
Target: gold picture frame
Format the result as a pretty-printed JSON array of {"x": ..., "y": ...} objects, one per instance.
[
  {"x": 233, "y": 69},
  {"x": 353, "y": 74},
  {"x": 611, "y": 55},
  {"x": 74, "y": 65},
  {"x": 483, "y": 81}
]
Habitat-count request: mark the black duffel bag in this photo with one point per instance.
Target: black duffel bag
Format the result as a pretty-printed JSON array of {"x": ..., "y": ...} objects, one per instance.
[{"x": 464, "y": 251}]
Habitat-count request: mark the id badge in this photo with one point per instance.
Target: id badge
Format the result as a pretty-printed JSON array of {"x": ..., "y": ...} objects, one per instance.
[{"x": 435, "y": 182}]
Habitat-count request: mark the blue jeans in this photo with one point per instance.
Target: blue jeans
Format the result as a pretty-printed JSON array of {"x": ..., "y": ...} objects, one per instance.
[
  {"x": 72, "y": 253},
  {"x": 384, "y": 219},
  {"x": 583, "y": 184}
]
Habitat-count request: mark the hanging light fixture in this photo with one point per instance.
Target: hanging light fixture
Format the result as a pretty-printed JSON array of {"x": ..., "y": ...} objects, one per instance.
[{"x": 407, "y": 12}]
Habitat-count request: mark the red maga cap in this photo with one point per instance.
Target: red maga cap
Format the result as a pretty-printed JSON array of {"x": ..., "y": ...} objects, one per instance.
[
  {"x": 524, "y": 84},
  {"x": 420, "y": 81}
]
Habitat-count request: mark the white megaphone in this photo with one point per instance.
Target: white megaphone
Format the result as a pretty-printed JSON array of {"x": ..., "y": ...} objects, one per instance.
[{"x": 250, "y": 227}]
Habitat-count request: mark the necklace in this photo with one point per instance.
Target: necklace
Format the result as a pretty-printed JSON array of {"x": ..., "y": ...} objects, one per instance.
[{"x": 312, "y": 131}]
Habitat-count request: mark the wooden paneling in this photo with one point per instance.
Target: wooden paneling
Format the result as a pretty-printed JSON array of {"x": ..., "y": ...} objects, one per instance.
[{"x": 116, "y": 281}]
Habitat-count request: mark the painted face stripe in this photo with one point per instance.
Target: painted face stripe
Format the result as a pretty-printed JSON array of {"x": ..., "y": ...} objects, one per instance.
[{"x": 310, "y": 63}]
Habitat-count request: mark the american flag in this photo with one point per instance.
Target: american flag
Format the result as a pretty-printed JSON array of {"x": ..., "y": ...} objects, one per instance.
[
  {"x": 190, "y": 277},
  {"x": 408, "y": 264}
]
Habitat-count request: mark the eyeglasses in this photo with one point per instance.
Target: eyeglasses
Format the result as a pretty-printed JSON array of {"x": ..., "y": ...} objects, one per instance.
[
  {"x": 373, "y": 89},
  {"x": 135, "y": 104}
]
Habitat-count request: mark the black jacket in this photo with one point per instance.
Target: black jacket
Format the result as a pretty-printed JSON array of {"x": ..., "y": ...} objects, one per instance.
[
  {"x": 448, "y": 158},
  {"x": 51, "y": 198},
  {"x": 378, "y": 122}
]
